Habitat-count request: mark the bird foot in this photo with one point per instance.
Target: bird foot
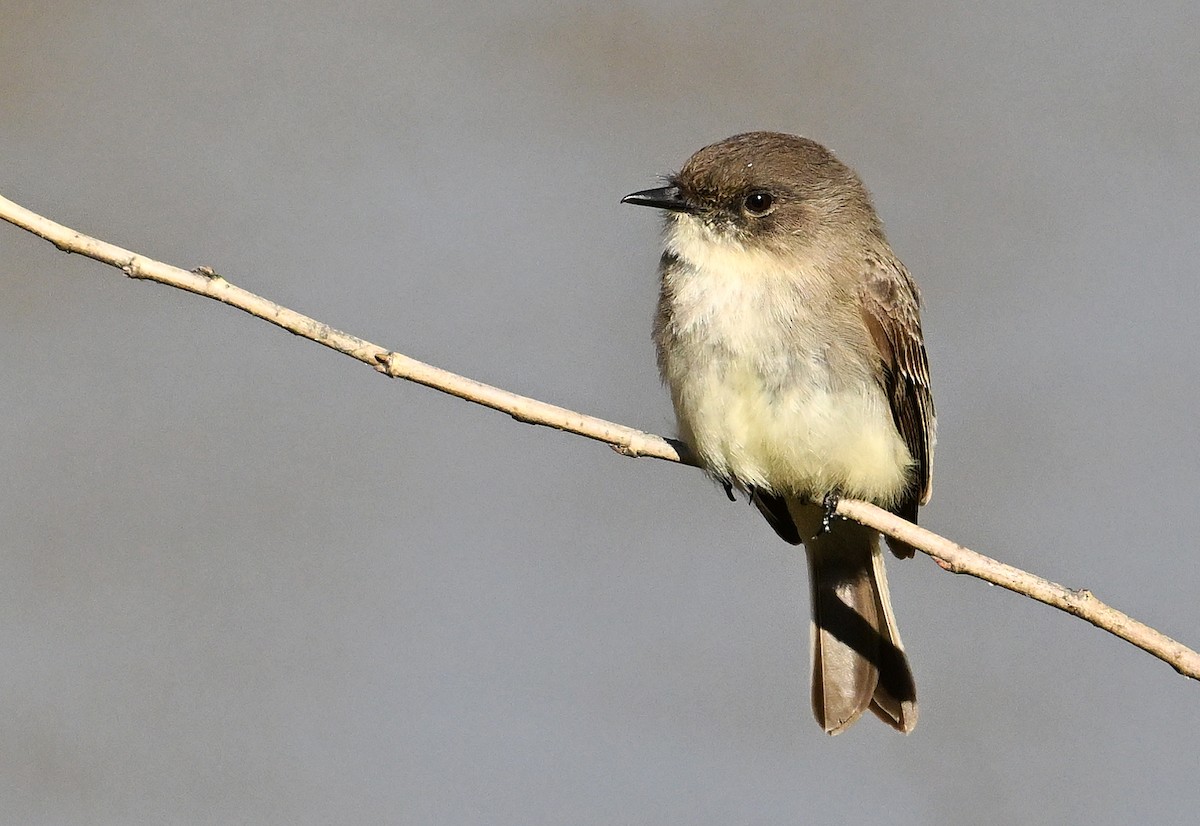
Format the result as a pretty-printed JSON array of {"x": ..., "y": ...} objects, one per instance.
[
  {"x": 830, "y": 504},
  {"x": 725, "y": 483}
]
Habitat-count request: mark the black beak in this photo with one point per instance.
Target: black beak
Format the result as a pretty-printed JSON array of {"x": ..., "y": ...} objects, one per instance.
[{"x": 667, "y": 197}]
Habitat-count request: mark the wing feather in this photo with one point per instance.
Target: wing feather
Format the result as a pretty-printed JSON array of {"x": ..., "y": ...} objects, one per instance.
[{"x": 892, "y": 312}]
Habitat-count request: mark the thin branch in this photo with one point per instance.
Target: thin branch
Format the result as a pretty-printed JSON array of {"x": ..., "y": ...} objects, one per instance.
[{"x": 626, "y": 440}]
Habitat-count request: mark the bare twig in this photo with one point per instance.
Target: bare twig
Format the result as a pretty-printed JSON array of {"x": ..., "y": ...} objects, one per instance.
[{"x": 626, "y": 440}]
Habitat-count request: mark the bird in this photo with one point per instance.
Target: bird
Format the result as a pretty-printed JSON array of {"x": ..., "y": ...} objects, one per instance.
[{"x": 789, "y": 336}]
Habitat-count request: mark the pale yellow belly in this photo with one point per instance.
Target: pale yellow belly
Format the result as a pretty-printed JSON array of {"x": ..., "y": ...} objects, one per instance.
[{"x": 806, "y": 440}]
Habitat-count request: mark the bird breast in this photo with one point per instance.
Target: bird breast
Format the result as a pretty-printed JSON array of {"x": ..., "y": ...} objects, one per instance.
[{"x": 771, "y": 375}]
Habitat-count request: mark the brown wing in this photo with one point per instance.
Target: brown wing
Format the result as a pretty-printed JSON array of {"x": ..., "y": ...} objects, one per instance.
[{"x": 892, "y": 311}]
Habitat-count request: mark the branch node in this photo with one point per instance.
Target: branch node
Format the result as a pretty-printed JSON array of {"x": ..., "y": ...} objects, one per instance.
[
  {"x": 383, "y": 363},
  {"x": 527, "y": 418},
  {"x": 134, "y": 269},
  {"x": 209, "y": 273}
]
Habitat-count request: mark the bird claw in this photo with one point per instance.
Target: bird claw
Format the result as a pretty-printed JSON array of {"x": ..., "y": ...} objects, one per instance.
[
  {"x": 830, "y": 504},
  {"x": 725, "y": 483}
]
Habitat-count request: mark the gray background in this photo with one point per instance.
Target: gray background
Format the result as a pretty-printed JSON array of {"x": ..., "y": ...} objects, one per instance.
[{"x": 245, "y": 579}]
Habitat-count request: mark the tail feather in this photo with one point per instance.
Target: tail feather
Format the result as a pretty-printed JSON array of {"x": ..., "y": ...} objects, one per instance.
[
  {"x": 895, "y": 698},
  {"x": 858, "y": 660}
]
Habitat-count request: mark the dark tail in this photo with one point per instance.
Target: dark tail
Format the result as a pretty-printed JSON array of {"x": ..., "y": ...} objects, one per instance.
[{"x": 858, "y": 661}]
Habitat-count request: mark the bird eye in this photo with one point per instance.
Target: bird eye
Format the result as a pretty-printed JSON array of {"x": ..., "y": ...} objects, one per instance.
[{"x": 758, "y": 203}]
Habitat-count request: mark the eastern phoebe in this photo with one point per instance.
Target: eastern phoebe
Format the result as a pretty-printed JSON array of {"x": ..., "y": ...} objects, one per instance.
[{"x": 790, "y": 337}]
